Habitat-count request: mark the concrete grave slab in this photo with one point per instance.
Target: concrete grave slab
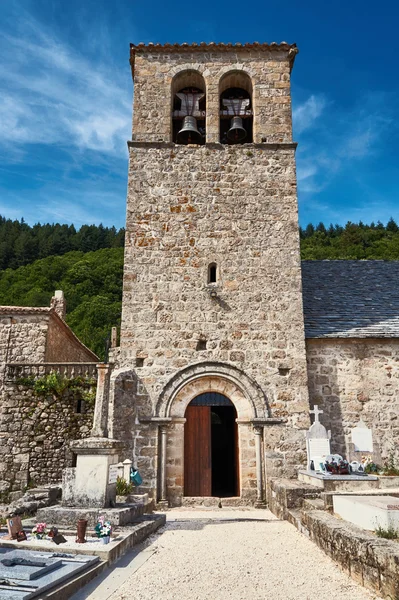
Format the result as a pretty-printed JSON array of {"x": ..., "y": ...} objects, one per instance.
[
  {"x": 368, "y": 512},
  {"x": 47, "y": 570}
]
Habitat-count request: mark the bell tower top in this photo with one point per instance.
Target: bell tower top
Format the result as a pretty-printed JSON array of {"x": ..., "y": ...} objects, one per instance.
[{"x": 212, "y": 93}]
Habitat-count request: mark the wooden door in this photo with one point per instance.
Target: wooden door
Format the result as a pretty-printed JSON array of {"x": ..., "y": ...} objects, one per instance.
[{"x": 197, "y": 451}]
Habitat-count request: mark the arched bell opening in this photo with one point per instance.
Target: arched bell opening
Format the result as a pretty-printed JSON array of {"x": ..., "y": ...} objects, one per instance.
[
  {"x": 188, "y": 108},
  {"x": 236, "y": 114},
  {"x": 211, "y": 455}
]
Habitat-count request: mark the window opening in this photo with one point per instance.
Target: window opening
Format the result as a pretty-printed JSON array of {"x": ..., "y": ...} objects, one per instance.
[
  {"x": 236, "y": 117},
  {"x": 188, "y": 116},
  {"x": 201, "y": 345},
  {"x": 80, "y": 406},
  {"x": 139, "y": 362},
  {"x": 212, "y": 273}
]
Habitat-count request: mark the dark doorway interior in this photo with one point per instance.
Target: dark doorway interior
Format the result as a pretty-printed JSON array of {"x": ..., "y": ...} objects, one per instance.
[
  {"x": 211, "y": 447},
  {"x": 223, "y": 451}
]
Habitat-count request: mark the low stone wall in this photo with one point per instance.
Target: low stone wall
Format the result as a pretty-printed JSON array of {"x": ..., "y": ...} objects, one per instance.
[
  {"x": 34, "y": 436},
  {"x": 285, "y": 495},
  {"x": 371, "y": 561}
]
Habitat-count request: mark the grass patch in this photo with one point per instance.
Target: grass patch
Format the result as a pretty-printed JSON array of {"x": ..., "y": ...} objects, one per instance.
[{"x": 388, "y": 534}]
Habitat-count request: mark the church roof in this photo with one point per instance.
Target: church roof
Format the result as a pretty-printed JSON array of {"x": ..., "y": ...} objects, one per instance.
[{"x": 351, "y": 298}]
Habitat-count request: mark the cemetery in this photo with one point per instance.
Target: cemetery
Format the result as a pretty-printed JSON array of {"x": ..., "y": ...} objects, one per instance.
[
  {"x": 64, "y": 545},
  {"x": 341, "y": 512}
]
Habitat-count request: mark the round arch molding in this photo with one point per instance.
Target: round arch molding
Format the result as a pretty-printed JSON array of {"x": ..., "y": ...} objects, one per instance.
[{"x": 246, "y": 395}]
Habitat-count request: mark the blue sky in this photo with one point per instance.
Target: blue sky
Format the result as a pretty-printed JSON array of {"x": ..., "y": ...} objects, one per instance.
[{"x": 66, "y": 93}]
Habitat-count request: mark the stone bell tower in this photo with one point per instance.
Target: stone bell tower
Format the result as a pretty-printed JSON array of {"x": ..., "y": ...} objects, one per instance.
[{"x": 212, "y": 316}]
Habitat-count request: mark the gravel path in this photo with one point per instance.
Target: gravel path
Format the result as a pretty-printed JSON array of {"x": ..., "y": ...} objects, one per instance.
[{"x": 239, "y": 555}]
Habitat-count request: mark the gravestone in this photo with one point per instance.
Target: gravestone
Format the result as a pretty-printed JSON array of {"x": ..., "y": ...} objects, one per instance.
[
  {"x": 14, "y": 526},
  {"x": 26, "y": 574},
  {"x": 362, "y": 438},
  {"x": 317, "y": 441}
]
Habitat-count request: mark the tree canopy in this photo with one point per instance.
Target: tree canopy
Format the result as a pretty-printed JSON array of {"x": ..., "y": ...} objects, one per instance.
[
  {"x": 35, "y": 261},
  {"x": 354, "y": 241},
  {"x": 91, "y": 282},
  {"x": 21, "y": 244}
]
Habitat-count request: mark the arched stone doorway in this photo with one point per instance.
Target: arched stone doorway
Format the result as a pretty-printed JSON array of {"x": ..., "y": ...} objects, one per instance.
[
  {"x": 211, "y": 447},
  {"x": 251, "y": 408}
]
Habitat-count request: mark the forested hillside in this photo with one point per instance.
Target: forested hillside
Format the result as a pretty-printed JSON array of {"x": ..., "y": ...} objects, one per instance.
[
  {"x": 21, "y": 244},
  {"x": 91, "y": 278},
  {"x": 354, "y": 241},
  {"x": 91, "y": 282}
]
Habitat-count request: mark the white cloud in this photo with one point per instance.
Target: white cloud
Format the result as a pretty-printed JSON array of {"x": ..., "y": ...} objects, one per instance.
[
  {"x": 52, "y": 95},
  {"x": 305, "y": 115},
  {"x": 346, "y": 138}
]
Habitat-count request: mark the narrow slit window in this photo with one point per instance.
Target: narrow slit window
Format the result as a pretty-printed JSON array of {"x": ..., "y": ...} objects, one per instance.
[{"x": 212, "y": 273}]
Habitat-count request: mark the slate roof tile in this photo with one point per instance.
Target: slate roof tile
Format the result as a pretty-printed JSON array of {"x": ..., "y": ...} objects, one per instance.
[{"x": 351, "y": 298}]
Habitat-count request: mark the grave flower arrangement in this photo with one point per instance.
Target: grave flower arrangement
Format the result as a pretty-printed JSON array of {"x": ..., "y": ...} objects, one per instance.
[
  {"x": 103, "y": 530},
  {"x": 39, "y": 531}
]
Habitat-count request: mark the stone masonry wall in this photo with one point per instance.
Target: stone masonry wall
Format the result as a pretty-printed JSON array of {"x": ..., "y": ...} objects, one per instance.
[
  {"x": 268, "y": 70},
  {"x": 236, "y": 206},
  {"x": 34, "y": 436},
  {"x": 354, "y": 379},
  {"x": 23, "y": 337}
]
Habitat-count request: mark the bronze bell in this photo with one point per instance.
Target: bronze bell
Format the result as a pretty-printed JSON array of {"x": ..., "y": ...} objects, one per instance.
[
  {"x": 236, "y": 133},
  {"x": 189, "y": 133}
]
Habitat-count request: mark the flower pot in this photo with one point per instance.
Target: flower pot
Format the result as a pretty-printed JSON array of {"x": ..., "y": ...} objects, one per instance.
[
  {"x": 82, "y": 525},
  {"x": 105, "y": 539}
]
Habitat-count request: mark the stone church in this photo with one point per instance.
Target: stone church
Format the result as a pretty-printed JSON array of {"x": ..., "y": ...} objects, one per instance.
[{"x": 226, "y": 339}]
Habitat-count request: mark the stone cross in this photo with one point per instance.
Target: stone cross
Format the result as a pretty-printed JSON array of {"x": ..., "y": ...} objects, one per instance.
[
  {"x": 317, "y": 440},
  {"x": 316, "y": 412}
]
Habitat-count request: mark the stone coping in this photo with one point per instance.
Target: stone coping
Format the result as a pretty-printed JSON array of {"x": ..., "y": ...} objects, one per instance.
[
  {"x": 390, "y": 503},
  {"x": 156, "y": 47},
  {"x": 323, "y": 477},
  {"x": 216, "y": 145},
  {"x": 88, "y": 445}
]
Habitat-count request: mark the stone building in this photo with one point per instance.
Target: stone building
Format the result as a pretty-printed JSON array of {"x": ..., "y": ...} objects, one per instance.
[
  {"x": 34, "y": 431},
  {"x": 351, "y": 312},
  {"x": 211, "y": 389},
  {"x": 218, "y": 356}
]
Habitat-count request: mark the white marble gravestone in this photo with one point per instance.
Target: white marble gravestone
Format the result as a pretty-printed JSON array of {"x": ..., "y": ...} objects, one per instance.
[
  {"x": 362, "y": 438},
  {"x": 317, "y": 441}
]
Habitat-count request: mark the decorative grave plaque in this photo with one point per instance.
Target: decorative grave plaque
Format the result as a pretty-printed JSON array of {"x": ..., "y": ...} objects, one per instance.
[
  {"x": 112, "y": 474},
  {"x": 14, "y": 526},
  {"x": 362, "y": 438},
  {"x": 317, "y": 441}
]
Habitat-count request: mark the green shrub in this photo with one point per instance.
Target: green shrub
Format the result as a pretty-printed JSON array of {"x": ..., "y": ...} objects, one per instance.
[
  {"x": 123, "y": 488},
  {"x": 390, "y": 467},
  {"x": 389, "y": 534}
]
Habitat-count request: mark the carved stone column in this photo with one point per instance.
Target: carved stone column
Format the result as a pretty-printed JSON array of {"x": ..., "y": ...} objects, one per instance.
[
  {"x": 164, "y": 440},
  {"x": 259, "y": 479},
  {"x": 100, "y": 419}
]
